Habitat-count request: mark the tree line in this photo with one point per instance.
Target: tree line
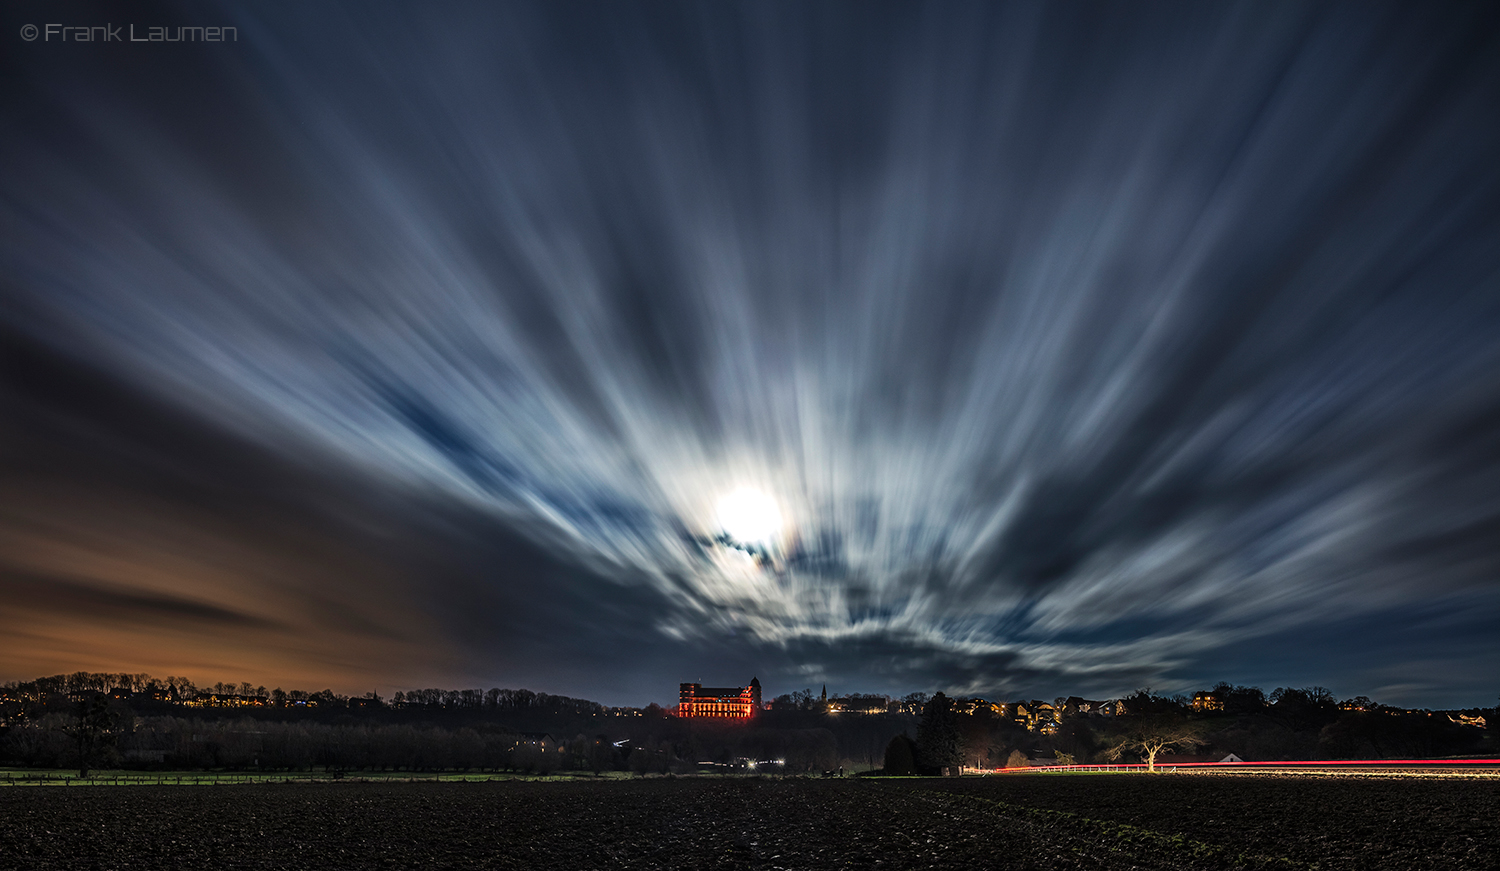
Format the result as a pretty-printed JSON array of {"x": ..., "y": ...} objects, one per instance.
[
  {"x": 1286, "y": 724},
  {"x": 109, "y": 720},
  {"x": 86, "y": 740},
  {"x": 144, "y": 688},
  {"x": 167, "y": 742},
  {"x": 80, "y": 719},
  {"x": 496, "y": 699}
]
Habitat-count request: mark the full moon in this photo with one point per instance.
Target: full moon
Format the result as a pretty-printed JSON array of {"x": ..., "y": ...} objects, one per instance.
[{"x": 749, "y": 516}]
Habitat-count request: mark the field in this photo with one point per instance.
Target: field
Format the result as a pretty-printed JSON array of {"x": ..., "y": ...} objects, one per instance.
[
  {"x": 56, "y": 778},
  {"x": 1096, "y": 822}
]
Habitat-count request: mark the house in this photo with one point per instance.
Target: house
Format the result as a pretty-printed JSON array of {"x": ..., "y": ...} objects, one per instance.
[
  {"x": 1078, "y": 705},
  {"x": 1207, "y": 701},
  {"x": 543, "y": 741},
  {"x": 1186, "y": 759},
  {"x": 977, "y": 706},
  {"x": 857, "y": 704},
  {"x": 1037, "y": 716}
]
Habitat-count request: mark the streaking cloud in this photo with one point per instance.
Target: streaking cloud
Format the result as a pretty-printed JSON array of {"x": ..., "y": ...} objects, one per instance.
[{"x": 1028, "y": 344}]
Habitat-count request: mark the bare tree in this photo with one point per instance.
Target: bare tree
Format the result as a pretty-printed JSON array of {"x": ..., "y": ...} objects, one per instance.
[
  {"x": 92, "y": 729},
  {"x": 1150, "y": 735}
]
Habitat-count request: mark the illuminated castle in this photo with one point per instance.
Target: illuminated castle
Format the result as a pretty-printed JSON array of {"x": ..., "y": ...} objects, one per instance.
[{"x": 728, "y": 703}]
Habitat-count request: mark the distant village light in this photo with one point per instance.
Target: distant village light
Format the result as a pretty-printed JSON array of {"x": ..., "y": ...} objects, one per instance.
[{"x": 1207, "y": 701}]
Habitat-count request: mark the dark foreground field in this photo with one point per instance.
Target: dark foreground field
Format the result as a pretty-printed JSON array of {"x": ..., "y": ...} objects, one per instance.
[{"x": 1098, "y": 822}]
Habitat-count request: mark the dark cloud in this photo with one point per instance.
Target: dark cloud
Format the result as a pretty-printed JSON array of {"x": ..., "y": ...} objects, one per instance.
[
  {"x": 1082, "y": 347},
  {"x": 25, "y": 592}
]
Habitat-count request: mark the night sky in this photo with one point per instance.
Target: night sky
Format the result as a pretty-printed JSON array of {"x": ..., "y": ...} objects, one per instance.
[{"x": 1079, "y": 347}]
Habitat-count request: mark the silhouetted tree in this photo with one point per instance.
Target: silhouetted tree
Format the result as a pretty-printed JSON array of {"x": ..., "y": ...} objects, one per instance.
[
  {"x": 92, "y": 729},
  {"x": 1305, "y": 710},
  {"x": 914, "y": 703},
  {"x": 811, "y": 750},
  {"x": 576, "y": 753},
  {"x": 1075, "y": 738},
  {"x": 937, "y": 737},
  {"x": 1385, "y": 734},
  {"x": 601, "y": 754},
  {"x": 1144, "y": 701},
  {"x": 644, "y": 760},
  {"x": 901, "y": 756},
  {"x": 1240, "y": 699}
]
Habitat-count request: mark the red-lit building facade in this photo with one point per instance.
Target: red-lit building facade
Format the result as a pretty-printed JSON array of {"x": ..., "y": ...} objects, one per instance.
[{"x": 724, "y": 703}]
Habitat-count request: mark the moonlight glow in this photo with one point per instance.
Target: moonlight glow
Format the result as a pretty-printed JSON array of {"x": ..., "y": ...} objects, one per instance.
[
  {"x": 750, "y": 516},
  {"x": 1013, "y": 349}
]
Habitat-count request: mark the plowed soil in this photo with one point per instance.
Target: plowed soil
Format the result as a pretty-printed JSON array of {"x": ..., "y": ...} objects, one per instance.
[
  {"x": 1127, "y": 822},
  {"x": 1327, "y": 822}
]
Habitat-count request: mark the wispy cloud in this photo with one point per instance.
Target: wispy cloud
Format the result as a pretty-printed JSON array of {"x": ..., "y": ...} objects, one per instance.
[{"x": 1069, "y": 345}]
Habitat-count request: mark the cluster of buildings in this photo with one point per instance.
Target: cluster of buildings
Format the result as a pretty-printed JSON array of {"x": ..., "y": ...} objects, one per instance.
[
  {"x": 696, "y": 701},
  {"x": 1047, "y": 717},
  {"x": 225, "y": 700},
  {"x": 31, "y": 695},
  {"x": 166, "y": 696}
]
